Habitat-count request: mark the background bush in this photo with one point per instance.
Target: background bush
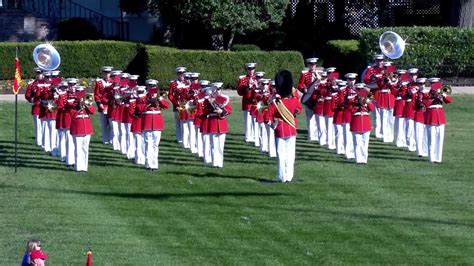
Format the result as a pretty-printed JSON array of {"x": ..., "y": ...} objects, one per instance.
[
  {"x": 245, "y": 47},
  {"x": 443, "y": 52}
]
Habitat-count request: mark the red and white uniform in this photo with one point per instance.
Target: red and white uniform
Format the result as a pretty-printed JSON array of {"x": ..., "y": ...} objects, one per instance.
[
  {"x": 400, "y": 94},
  {"x": 285, "y": 136},
  {"x": 360, "y": 128},
  {"x": 81, "y": 131},
  {"x": 305, "y": 80},
  {"x": 187, "y": 118},
  {"x": 214, "y": 129},
  {"x": 345, "y": 98},
  {"x": 327, "y": 130},
  {"x": 34, "y": 100},
  {"x": 175, "y": 92},
  {"x": 100, "y": 90},
  {"x": 245, "y": 87},
  {"x": 435, "y": 122},
  {"x": 421, "y": 135},
  {"x": 63, "y": 124},
  {"x": 48, "y": 119},
  {"x": 409, "y": 115},
  {"x": 384, "y": 103},
  {"x": 138, "y": 144},
  {"x": 152, "y": 125}
]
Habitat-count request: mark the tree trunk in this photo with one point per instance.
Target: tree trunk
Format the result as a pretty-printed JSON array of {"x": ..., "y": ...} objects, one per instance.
[
  {"x": 231, "y": 40},
  {"x": 217, "y": 40},
  {"x": 466, "y": 14}
]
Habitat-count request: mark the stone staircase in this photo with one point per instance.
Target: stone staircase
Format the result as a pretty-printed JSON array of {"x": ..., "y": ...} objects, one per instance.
[{"x": 22, "y": 26}]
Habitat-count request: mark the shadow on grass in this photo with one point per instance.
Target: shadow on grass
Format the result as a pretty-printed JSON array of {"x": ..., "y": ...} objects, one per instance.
[{"x": 217, "y": 175}]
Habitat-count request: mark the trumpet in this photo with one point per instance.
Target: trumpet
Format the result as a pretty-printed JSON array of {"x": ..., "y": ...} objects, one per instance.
[
  {"x": 446, "y": 89},
  {"x": 51, "y": 106},
  {"x": 217, "y": 107},
  {"x": 261, "y": 106}
]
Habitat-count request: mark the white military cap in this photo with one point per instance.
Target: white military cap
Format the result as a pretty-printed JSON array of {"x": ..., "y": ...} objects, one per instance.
[
  {"x": 48, "y": 73},
  {"x": 413, "y": 70},
  {"x": 151, "y": 82},
  {"x": 180, "y": 69},
  {"x": 272, "y": 83},
  {"x": 250, "y": 65},
  {"x": 378, "y": 57},
  {"x": 116, "y": 72},
  {"x": 63, "y": 84},
  {"x": 330, "y": 69},
  {"x": 420, "y": 80},
  {"x": 79, "y": 88},
  {"x": 55, "y": 73},
  {"x": 351, "y": 75},
  {"x": 71, "y": 80},
  {"x": 433, "y": 80},
  {"x": 134, "y": 77},
  {"x": 141, "y": 88},
  {"x": 194, "y": 75},
  {"x": 260, "y": 74},
  {"x": 38, "y": 70},
  {"x": 311, "y": 60},
  {"x": 265, "y": 81},
  {"x": 324, "y": 74},
  {"x": 106, "y": 68},
  {"x": 124, "y": 76},
  {"x": 204, "y": 82},
  {"x": 217, "y": 84},
  {"x": 401, "y": 71},
  {"x": 387, "y": 63},
  {"x": 341, "y": 83},
  {"x": 360, "y": 85}
]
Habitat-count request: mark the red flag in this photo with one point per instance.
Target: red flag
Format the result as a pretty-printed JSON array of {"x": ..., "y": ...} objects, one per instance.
[
  {"x": 89, "y": 258},
  {"x": 17, "y": 78}
]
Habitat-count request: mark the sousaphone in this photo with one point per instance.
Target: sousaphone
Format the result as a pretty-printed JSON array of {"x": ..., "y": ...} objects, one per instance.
[
  {"x": 46, "y": 57},
  {"x": 391, "y": 44}
]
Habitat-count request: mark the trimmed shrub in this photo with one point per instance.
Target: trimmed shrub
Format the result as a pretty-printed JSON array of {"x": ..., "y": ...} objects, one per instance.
[
  {"x": 245, "y": 47},
  {"x": 344, "y": 55},
  {"x": 436, "y": 51},
  {"x": 225, "y": 66}
]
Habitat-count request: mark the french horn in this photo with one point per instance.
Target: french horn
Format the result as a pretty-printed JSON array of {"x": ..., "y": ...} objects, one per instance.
[
  {"x": 391, "y": 44},
  {"x": 46, "y": 57}
]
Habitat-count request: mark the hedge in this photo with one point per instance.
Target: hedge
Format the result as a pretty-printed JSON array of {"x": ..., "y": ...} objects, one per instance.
[
  {"x": 245, "y": 47},
  {"x": 436, "y": 51},
  {"x": 225, "y": 66},
  {"x": 84, "y": 59},
  {"x": 344, "y": 55}
]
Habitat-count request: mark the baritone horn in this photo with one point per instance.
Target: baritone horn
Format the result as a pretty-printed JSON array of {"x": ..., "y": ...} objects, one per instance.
[
  {"x": 391, "y": 44},
  {"x": 46, "y": 57},
  {"x": 447, "y": 89}
]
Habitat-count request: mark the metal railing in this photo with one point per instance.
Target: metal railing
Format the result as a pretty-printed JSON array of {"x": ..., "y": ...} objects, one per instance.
[{"x": 65, "y": 9}]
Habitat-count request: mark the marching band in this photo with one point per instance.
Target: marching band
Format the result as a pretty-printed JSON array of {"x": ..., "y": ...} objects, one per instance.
[{"x": 407, "y": 109}]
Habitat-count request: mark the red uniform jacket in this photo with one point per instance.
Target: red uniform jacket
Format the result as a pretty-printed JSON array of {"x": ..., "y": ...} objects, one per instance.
[
  {"x": 30, "y": 96},
  {"x": 46, "y": 94},
  {"x": 435, "y": 112},
  {"x": 134, "y": 112},
  {"x": 81, "y": 124},
  {"x": 399, "y": 101},
  {"x": 329, "y": 101},
  {"x": 373, "y": 76},
  {"x": 151, "y": 115},
  {"x": 63, "y": 118},
  {"x": 318, "y": 99},
  {"x": 245, "y": 91},
  {"x": 175, "y": 92},
  {"x": 99, "y": 92},
  {"x": 421, "y": 101},
  {"x": 384, "y": 95},
  {"x": 360, "y": 121},
  {"x": 212, "y": 123},
  {"x": 283, "y": 129},
  {"x": 186, "y": 95}
]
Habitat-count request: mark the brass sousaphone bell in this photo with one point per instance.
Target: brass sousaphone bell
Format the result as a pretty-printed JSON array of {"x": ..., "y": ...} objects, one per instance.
[
  {"x": 391, "y": 44},
  {"x": 46, "y": 57}
]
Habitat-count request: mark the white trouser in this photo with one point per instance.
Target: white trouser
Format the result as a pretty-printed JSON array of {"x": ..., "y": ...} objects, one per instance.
[
  {"x": 189, "y": 136},
  {"x": 400, "y": 139},
  {"x": 62, "y": 134},
  {"x": 361, "y": 146},
  {"x": 387, "y": 121},
  {"x": 410, "y": 134},
  {"x": 286, "y": 158},
  {"x": 38, "y": 126},
  {"x": 81, "y": 144},
  {"x": 115, "y": 134},
  {"x": 178, "y": 127},
  {"x": 311, "y": 124},
  {"x": 421, "y": 137},
  {"x": 435, "y": 143},
  {"x": 256, "y": 131},
  {"x": 124, "y": 133},
  {"x": 348, "y": 144},
  {"x": 217, "y": 146},
  {"x": 104, "y": 125},
  {"x": 378, "y": 123},
  {"x": 263, "y": 137},
  {"x": 199, "y": 142},
  {"x": 207, "y": 148},
  {"x": 329, "y": 132},
  {"x": 132, "y": 146},
  {"x": 248, "y": 124},
  {"x": 321, "y": 125},
  {"x": 339, "y": 139},
  {"x": 271, "y": 141},
  {"x": 71, "y": 150},
  {"x": 152, "y": 144},
  {"x": 139, "y": 149},
  {"x": 49, "y": 135}
]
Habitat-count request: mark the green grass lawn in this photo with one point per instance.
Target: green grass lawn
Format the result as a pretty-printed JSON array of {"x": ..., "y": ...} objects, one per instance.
[{"x": 397, "y": 209}]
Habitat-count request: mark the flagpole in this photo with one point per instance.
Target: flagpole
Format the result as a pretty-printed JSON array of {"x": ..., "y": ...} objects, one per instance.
[{"x": 16, "y": 122}]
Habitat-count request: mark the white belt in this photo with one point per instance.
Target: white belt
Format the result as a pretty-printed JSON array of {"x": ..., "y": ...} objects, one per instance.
[
  {"x": 398, "y": 98},
  {"x": 350, "y": 97},
  {"x": 82, "y": 116},
  {"x": 361, "y": 113},
  {"x": 435, "y": 106},
  {"x": 384, "y": 90},
  {"x": 152, "y": 112},
  {"x": 409, "y": 100},
  {"x": 327, "y": 98}
]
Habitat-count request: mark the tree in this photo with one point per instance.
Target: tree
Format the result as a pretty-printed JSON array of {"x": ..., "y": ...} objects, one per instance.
[
  {"x": 222, "y": 18},
  {"x": 466, "y": 14}
]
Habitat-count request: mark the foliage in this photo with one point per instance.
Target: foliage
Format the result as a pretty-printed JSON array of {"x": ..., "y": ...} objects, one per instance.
[
  {"x": 344, "y": 55},
  {"x": 245, "y": 47},
  {"x": 77, "y": 29},
  {"x": 436, "y": 51},
  {"x": 222, "y": 17},
  {"x": 133, "y": 6},
  {"x": 397, "y": 209}
]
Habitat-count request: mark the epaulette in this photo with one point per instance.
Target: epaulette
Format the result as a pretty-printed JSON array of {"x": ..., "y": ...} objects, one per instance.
[{"x": 242, "y": 76}]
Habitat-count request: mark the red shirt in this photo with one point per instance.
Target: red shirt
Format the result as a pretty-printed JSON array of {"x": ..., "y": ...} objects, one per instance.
[
  {"x": 244, "y": 90},
  {"x": 151, "y": 115},
  {"x": 435, "y": 112},
  {"x": 81, "y": 121},
  {"x": 360, "y": 121},
  {"x": 212, "y": 123},
  {"x": 283, "y": 129}
]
